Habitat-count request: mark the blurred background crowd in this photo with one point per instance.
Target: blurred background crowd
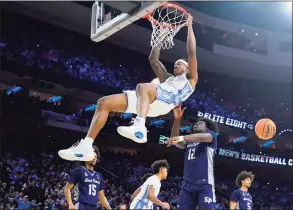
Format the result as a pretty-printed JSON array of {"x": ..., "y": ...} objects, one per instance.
[{"x": 41, "y": 178}]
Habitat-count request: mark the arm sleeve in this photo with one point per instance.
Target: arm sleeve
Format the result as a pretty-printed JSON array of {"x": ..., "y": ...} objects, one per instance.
[
  {"x": 17, "y": 199},
  {"x": 235, "y": 196}
]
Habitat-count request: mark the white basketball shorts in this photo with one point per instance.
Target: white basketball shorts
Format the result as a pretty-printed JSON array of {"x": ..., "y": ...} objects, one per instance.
[{"x": 157, "y": 108}]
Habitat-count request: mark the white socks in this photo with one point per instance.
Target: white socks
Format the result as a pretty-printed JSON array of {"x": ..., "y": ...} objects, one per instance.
[
  {"x": 88, "y": 140},
  {"x": 140, "y": 120}
]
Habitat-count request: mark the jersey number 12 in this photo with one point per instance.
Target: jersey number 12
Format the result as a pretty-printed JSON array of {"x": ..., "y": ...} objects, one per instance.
[
  {"x": 191, "y": 154},
  {"x": 92, "y": 189}
]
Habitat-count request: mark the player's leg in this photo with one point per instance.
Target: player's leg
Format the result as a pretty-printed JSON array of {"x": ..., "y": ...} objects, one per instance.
[
  {"x": 207, "y": 198},
  {"x": 187, "y": 200},
  {"x": 83, "y": 150},
  {"x": 112, "y": 103},
  {"x": 145, "y": 94}
]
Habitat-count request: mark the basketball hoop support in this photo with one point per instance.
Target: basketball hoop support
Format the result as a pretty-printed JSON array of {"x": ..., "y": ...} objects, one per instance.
[{"x": 101, "y": 31}]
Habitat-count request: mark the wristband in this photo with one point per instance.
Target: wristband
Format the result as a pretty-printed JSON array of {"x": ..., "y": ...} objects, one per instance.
[{"x": 181, "y": 138}]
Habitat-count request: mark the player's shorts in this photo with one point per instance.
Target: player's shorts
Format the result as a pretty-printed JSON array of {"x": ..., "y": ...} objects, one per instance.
[
  {"x": 202, "y": 196},
  {"x": 140, "y": 205},
  {"x": 157, "y": 108},
  {"x": 84, "y": 206}
]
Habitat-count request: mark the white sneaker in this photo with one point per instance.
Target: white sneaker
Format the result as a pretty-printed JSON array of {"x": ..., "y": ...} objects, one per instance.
[
  {"x": 80, "y": 151},
  {"x": 136, "y": 132}
]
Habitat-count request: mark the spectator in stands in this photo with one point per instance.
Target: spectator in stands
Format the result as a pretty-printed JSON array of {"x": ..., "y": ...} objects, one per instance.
[{"x": 23, "y": 203}]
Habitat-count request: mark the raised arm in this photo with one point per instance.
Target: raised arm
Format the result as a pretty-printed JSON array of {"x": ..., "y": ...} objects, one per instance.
[
  {"x": 191, "y": 51},
  {"x": 175, "y": 132},
  {"x": 178, "y": 113},
  {"x": 157, "y": 66}
]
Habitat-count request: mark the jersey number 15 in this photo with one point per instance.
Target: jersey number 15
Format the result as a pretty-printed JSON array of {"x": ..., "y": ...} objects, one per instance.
[
  {"x": 92, "y": 189},
  {"x": 191, "y": 154}
]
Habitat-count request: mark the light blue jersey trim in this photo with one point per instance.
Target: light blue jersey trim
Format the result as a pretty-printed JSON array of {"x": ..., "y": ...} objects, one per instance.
[
  {"x": 142, "y": 203},
  {"x": 171, "y": 98}
]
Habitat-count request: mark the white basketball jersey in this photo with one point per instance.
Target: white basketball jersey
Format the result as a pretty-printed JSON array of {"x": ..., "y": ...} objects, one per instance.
[
  {"x": 177, "y": 81},
  {"x": 175, "y": 89},
  {"x": 141, "y": 201}
]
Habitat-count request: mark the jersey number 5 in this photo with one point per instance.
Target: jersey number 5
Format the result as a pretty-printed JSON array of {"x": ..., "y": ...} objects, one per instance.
[
  {"x": 92, "y": 189},
  {"x": 191, "y": 154}
]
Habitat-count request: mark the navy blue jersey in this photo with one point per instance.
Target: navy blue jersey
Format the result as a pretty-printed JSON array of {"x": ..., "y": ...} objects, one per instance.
[
  {"x": 243, "y": 199},
  {"x": 87, "y": 185},
  {"x": 199, "y": 162}
]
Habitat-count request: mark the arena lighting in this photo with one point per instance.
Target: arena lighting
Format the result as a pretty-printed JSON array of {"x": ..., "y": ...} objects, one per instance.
[
  {"x": 285, "y": 130},
  {"x": 158, "y": 122},
  {"x": 90, "y": 108},
  {"x": 268, "y": 143},
  {"x": 15, "y": 89},
  {"x": 55, "y": 99},
  {"x": 239, "y": 140},
  {"x": 286, "y": 8}
]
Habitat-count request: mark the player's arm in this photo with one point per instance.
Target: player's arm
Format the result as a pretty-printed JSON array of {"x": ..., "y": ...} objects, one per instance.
[
  {"x": 73, "y": 179},
  {"x": 198, "y": 137},
  {"x": 234, "y": 199},
  {"x": 178, "y": 113},
  {"x": 191, "y": 51},
  {"x": 135, "y": 193},
  {"x": 157, "y": 66},
  {"x": 233, "y": 205},
  {"x": 103, "y": 200},
  {"x": 67, "y": 193},
  {"x": 154, "y": 199}
]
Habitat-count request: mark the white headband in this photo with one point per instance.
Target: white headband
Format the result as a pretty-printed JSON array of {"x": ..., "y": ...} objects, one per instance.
[{"x": 182, "y": 61}]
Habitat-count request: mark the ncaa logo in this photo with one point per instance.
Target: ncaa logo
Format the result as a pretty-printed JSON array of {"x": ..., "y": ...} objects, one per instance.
[{"x": 208, "y": 200}]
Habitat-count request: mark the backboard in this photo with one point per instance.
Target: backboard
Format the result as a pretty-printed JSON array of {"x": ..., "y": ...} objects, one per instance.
[{"x": 108, "y": 17}]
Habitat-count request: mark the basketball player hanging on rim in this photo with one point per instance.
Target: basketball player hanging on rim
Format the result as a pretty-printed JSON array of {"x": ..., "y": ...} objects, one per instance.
[{"x": 150, "y": 99}]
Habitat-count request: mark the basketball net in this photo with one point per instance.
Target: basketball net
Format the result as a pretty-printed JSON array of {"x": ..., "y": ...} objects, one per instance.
[{"x": 166, "y": 21}]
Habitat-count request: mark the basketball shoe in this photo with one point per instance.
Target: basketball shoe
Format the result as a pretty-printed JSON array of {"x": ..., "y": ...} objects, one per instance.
[
  {"x": 80, "y": 151},
  {"x": 136, "y": 132}
]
